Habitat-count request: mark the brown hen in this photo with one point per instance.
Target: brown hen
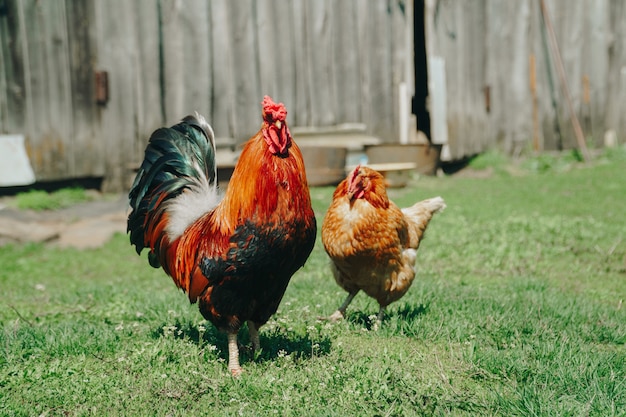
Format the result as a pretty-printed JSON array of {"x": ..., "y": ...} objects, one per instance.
[{"x": 373, "y": 243}]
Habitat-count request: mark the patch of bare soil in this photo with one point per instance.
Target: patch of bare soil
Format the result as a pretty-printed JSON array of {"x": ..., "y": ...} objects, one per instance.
[{"x": 83, "y": 226}]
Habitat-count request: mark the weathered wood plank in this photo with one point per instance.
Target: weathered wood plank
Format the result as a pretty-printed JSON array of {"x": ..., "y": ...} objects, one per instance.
[
  {"x": 87, "y": 151},
  {"x": 595, "y": 61},
  {"x": 302, "y": 109},
  {"x": 400, "y": 35},
  {"x": 222, "y": 101},
  {"x": 320, "y": 81},
  {"x": 615, "y": 118},
  {"x": 547, "y": 81},
  {"x": 382, "y": 121},
  {"x": 186, "y": 57},
  {"x": 275, "y": 39},
  {"x": 268, "y": 44},
  {"x": 364, "y": 32},
  {"x": 345, "y": 62},
  {"x": 12, "y": 77},
  {"x": 507, "y": 53},
  {"x": 48, "y": 100},
  {"x": 568, "y": 23},
  {"x": 116, "y": 45},
  {"x": 147, "y": 73},
  {"x": 247, "y": 92}
]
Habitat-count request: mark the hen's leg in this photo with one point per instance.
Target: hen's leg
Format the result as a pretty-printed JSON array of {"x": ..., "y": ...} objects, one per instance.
[
  {"x": 253, "y": 331},
  {"x": 341, "y": 311},
  {"x": 233, "y": 355}
]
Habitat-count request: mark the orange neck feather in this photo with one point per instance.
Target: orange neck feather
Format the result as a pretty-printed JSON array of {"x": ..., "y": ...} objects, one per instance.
[
  {"x": 375, "y": 193},
  {"x": 259, "y": 182}
]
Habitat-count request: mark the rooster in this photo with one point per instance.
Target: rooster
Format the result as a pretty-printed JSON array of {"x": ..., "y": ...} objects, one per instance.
[
  {"x": 234, "y": 253},
  {"x": 371, "y": 242}
]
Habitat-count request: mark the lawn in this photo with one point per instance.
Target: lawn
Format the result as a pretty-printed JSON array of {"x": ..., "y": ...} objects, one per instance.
[{"x": 517, "y": 311}]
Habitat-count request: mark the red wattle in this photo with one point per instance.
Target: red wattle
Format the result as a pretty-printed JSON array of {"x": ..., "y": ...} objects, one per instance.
[{"x": 277, "y": 141}]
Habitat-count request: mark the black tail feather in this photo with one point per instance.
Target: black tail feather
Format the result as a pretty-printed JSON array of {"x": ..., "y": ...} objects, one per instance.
[{"x": 175, "y": 159}]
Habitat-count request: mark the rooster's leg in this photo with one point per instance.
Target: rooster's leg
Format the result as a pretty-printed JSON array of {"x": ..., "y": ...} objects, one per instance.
[
  {"x": 253, "y": 331},
  {"x": 233, "y": 355},
  {"x": 381, "y": 314},
  {"x": 341, "y": 311}
]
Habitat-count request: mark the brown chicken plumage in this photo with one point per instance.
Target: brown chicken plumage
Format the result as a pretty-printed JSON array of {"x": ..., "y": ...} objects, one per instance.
[{"x": 372, "y": 243}]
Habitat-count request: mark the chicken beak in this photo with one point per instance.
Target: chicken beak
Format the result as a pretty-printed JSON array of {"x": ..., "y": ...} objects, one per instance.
[{"x": 278, "y": 124}]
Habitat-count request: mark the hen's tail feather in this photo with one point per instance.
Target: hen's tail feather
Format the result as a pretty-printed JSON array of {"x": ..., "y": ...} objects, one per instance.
[
  {"x": 432, "y": 205},
  {"x": 419, "y": 215},
  {"x": 176, "y": 159}
]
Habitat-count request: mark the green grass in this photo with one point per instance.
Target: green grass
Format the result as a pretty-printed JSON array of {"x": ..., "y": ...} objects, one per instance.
[
  {"x": 39, "y": 200},
  {"x": 490, "y": 159},
  {"x": 517, "y": 311}
]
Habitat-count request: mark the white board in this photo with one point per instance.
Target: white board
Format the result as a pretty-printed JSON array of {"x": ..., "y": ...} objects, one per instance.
[
  {"x": 438, "y": 97},
  {"x": 15, "y": 168}
]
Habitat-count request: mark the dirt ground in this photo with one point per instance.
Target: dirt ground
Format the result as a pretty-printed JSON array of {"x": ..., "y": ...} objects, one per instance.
[
  {"x": 88, "y": 225},
  {"x": 83, "y": 226}
]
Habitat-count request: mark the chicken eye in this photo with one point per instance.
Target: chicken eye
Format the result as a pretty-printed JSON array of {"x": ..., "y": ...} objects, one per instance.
[{"x": 365, "y": 183}]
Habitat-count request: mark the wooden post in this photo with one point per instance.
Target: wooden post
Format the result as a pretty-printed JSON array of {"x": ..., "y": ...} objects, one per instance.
[
  {"x": 561, "y": 71},
  {"x": 533, "y": 90}
]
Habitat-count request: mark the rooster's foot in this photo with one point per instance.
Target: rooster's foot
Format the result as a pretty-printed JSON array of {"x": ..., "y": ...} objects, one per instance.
[
  {"x": 336, "y": 316},
  {"x": 236, "y": 372}
]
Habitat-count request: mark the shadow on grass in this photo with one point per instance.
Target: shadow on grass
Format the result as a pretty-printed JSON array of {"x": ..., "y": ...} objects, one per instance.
[
  {"x": 274, "y": 343},
  {"x": 298, "y": 346},
  {"x": 404, "y": 313}
]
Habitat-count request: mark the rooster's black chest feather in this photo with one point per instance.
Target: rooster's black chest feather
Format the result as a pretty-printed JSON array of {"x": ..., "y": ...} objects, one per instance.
[{"x": 249, "y": 282}]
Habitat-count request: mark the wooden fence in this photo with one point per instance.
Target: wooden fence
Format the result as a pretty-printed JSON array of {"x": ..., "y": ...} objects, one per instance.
[
  {"x": 494, "y": 50},
  {"x": 329, "y": 61}
]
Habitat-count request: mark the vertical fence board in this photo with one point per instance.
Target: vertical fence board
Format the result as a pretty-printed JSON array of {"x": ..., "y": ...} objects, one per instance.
[
  {"x": 147, "y": 74},
  {"x": 186, "y": 57},
  {"x": 269, "y": 45},
  {"x": 380, "y": 61},
  {"x": 400, "y": 73},
  {"x": 345, "y": 62},
  {"x": 507, "y": 73},
  {"x": 5, "y": 69},
  {"x": 117, "y": 52},
  {"x": 12, "y": 71},
  {"x": 364, "y": 32},
  {"x": 320, "y": 83},
  {"x": 302, "y": 109},
  {"x": 570, "y": 38},
  {"x": 547, "y": 82},
  {"x": 222, "y": 102},
  {"x": 247, "y": 98},
  {"x": 595, "y": 68},
  {"x": 88, "y": 151},
  {"x": 48, "y": 103},
  {"x": 275, "y": 62},
  {"x": 616, "y": 90}
]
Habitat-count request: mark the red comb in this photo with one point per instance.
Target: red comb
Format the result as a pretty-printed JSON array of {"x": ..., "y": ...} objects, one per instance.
[
  {"x": 353, "y": 175},
  {"x": 275, "y": 111}
]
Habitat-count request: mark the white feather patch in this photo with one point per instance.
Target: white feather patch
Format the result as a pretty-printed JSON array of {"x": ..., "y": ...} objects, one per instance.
[
  {"x": 190, "y": 205},
  {"x": 410, "y": 255},
  {"x": 434, "y": 205}
]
